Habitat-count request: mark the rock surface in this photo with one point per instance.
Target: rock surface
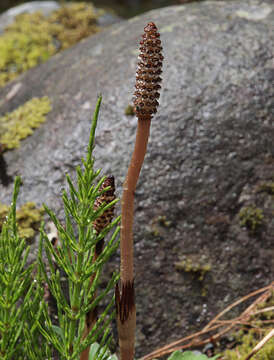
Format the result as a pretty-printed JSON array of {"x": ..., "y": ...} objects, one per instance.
[{"x": 210, "y": 153}]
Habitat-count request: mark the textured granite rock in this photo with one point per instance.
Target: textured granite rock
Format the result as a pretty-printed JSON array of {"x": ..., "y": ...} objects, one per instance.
[{"x": 210, "y": 153}]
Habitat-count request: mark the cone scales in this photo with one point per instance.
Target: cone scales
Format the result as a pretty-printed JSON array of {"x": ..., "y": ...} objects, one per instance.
[{"x": 148, "y": 73}]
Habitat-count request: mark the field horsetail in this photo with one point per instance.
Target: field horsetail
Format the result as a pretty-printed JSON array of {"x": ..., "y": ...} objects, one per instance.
[{"x": 145, "y": 105}]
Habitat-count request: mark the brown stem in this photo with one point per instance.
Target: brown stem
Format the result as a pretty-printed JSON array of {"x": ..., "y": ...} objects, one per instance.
[
  {"x": 126, "y": 245},
  {"x": 125, "y": 303},
  {"x": 126, "y": 320},
  {"x": 145, "y": 105}
]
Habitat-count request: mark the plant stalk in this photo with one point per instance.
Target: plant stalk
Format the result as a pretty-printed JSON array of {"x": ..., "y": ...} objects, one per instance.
[
  {"x": 125, "y": 302},
  {"x": 126, "y": 245}
]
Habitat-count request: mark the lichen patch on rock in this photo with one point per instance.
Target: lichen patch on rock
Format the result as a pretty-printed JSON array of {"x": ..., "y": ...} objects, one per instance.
[
  {"x": 28, "y": 219},
  {"x": 33, "y": 38},
  {"x": 20, "y": 123}
]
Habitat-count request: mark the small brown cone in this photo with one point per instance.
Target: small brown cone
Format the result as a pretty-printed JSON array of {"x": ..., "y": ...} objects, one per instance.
[
  {"x": 107, "y": 197},
  {"x": 148, "y": 73}
]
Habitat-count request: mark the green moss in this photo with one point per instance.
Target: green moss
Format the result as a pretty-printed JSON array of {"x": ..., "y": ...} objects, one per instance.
[
  {"x": 77, "y": 20},
  {"x": 129, "y": 110},
  {"x": 24, "y": 44},
  {"x": 251, "y": 218},
  {"x": 267, "y": 188},
  {"x": 162, "y": 220},
  {"x": 20, "y": 123},
  {"x": 197, "y": 267},
  {"x": 265, "y": 315},
  {"x": 248, "y": 338},
  {"x": 157, "y": 225},
  {"x": 28, "y": 218},
  {"x": 33, "y": 38},
  {"x": 247, "y": 343}
]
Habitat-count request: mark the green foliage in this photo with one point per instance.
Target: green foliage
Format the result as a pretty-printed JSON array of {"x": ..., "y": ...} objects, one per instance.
[
  {"x": 26, "y": 329},
  {"x": 74, "y": 256},
  {"x": 28, "y": 219},
  {"x": 189, "y": 355},
  {"x": 251, "y": 218},
  {"x": 33, "y": 38},
  {"x": 20, "y": 123},
  {"x": 96, "y": 351},
  {"x": 20, "y": 296}
]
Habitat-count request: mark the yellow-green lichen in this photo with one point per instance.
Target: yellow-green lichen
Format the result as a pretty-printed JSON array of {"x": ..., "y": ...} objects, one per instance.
[
  {"x": 33, "y": 38},
  {"x": 28, "y": 219},
  {"x": 198, "y": 267},
  {"x": 20, "y": 123},
  {"x": 251, "y": 218}
]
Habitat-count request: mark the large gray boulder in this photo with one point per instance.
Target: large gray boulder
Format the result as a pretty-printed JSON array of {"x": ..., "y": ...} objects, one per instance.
[{"x": 210, "y": 154}]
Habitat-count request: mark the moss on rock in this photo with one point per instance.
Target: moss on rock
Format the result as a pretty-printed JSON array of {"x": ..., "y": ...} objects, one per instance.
[
  {"x": 33, "y": 38},
  {"x": 251, "y": 218},
  {"x": 129, "y": 110},
  {"x": 20, "y": 123},
  {"x": 198, "y": 267},
  {"x": 28, "y": 219},
  {"x": 267, "y": 187},
  {"x": 77, "y": 21},
  {"x": 248, "y": 342},
  {"x": 247, "y": 338}
]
